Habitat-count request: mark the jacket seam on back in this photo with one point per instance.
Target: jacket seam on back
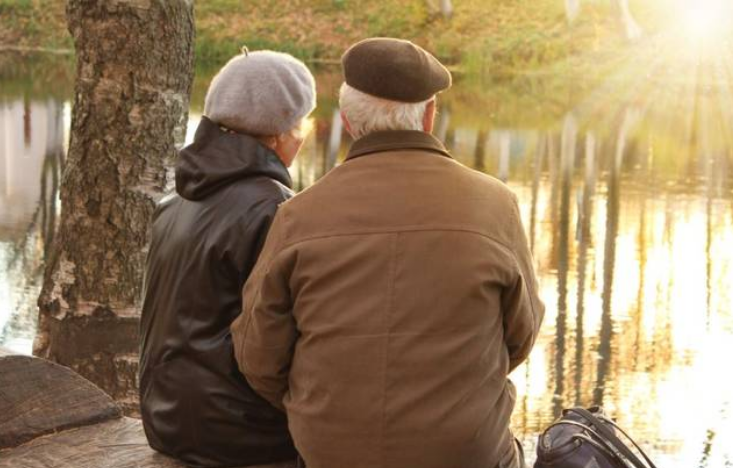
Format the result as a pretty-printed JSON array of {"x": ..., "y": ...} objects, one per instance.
[
  {"x": 336, "y": 171},
  {"x": 385, "y": 363},
  {"x": 399, "y": 231}
]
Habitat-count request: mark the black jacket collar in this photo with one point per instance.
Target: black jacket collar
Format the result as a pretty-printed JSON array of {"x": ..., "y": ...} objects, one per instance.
[
  {"x": 396, "y": 140},
  {"x": 218, "y": 157}
]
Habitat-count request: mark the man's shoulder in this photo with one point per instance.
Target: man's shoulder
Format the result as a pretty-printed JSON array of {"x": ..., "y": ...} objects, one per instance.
[
  {"x": 487, "y": 182},
  {"x": 316, "y": 191},
  {"x": 473, "y": 180}
]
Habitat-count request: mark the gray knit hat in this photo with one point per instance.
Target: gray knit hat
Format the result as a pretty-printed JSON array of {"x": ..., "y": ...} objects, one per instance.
[{"x": 261, "y": 93}]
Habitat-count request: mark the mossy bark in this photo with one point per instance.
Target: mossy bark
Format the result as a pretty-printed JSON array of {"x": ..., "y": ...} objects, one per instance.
[{"x": 134, "y": 75}]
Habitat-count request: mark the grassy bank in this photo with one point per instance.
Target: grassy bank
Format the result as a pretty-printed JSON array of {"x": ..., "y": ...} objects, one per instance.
[
  {"x": 34, "y": 23},
  {"x": 499, "y": 37}
]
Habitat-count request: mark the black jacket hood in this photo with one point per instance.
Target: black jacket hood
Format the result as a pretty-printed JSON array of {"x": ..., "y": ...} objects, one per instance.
[{"x": 217, "y": 158}]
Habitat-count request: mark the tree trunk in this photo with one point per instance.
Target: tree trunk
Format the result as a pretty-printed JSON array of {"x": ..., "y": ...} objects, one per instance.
[
  {"x": 631, "y": 27},
  {"x": 572, "y": 10},
  {"x": 134, "y": 75},
  {"x": 440, "y": 7}
]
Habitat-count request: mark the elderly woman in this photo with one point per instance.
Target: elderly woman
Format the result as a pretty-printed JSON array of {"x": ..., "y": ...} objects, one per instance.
[{"x": 195, "y": 404}]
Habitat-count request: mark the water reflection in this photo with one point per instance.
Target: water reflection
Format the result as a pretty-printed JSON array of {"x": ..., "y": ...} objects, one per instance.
[
  {"x": 31, "y": 161},
  {"x": 630, "y": 216},
  {"x": 650, "y": 304}
]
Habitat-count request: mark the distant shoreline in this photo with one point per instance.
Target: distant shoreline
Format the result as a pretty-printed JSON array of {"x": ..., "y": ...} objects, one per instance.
[
  {"x": 25, "y": 49},
  {"x": 482, "y": 37}
]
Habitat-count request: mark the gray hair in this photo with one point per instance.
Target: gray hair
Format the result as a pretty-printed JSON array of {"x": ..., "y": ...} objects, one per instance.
[{"x": 367, "y": 114}]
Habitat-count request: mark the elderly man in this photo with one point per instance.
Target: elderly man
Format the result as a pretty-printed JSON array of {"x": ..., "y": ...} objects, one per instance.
[{"x": 393, "y": 297}]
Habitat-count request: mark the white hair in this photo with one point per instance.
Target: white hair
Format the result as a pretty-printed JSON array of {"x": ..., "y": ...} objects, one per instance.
[{"x": 367, "y": 113}]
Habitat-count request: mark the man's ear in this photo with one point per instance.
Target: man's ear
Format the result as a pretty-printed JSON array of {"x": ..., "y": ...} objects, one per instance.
[
  {"x": 347, "y": 125},
  {"x": 428, "y": 120}
]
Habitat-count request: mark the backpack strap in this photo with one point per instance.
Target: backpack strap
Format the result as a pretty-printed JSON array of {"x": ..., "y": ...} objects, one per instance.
[
  {"x": 603, "y": 430},
  {"x": 609, "y": 421},
  {"x": 585, "y": 434}
]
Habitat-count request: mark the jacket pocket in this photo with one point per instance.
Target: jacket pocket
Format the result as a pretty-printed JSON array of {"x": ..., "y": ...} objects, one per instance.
[{"x": 162, "y": 409}]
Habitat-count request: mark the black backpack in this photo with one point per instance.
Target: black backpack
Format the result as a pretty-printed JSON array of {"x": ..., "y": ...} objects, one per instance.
[{"x": 586, "y": 438}]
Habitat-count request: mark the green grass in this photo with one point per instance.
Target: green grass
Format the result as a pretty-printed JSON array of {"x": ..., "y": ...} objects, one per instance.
[
  {"x": 484, "y": 37},
  {"x": 34, "y": 23}
]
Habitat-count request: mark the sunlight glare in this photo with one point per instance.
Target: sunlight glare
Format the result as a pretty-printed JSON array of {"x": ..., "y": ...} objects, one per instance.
[{"x": 705, "y": 19}]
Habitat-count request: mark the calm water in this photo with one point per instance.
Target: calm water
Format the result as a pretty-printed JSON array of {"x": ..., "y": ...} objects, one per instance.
[{"x": 627, "y": 197}]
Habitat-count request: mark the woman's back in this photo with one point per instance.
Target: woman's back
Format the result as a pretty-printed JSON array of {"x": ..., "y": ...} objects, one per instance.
[{"x": 195, "y": 404}]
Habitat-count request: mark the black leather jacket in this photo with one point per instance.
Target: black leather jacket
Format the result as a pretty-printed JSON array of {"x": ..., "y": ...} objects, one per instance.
[{"x": 195, "y": 404}]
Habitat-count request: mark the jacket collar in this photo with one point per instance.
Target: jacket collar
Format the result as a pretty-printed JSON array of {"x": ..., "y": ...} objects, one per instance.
[
  {"x": 396, "y": 140},
  {"x": 218, "y": 157}
]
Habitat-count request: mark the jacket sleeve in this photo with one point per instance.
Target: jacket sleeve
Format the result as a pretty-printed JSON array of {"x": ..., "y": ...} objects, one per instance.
[
  {"x": 264, "y": 334},
  {"x": 522, "y": 307}
]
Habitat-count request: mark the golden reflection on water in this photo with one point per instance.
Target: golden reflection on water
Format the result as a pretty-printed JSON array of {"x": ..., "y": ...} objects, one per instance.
[
  {"x": 639, "y": 309},
  {"x": 647, "y": 334}
]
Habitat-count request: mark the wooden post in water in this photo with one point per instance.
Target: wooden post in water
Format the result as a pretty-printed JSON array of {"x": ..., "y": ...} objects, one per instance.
[
  {"x": 613, "y": 209},
  {"x": 334, "y": 140},
  {"x": 539, "y": 157},
  {"x": 631, "y": 27},
  {"x": 632, "y": 30},
  {"x": 505, "y": 152},
  {"x": 51, "y": 173},
  {"x": 442, "y": 7},
  {"x": 446, "y": 8},
  {"x": 479, "y": 154},
  {"x": 585, "y": 213},
  {"x": 572, "y": 10},
  {"x": 134, "y": 75},
  {"x": 567, "y": 163},
  {"x": 441, "y": 126}
]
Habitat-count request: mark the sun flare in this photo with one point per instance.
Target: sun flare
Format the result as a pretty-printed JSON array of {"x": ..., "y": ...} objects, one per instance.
[{"x": 705, "y": 20}]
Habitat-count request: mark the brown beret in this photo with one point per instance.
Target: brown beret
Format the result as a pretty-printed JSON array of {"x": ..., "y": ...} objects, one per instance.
[{"x": 394, "y": 69}]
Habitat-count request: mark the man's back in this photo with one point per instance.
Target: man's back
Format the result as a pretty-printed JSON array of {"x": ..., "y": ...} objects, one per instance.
[{"x": 413, "y": 295}]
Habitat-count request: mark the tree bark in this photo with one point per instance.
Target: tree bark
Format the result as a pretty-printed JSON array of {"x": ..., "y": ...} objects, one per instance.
[{"x": 134, "y": 75}]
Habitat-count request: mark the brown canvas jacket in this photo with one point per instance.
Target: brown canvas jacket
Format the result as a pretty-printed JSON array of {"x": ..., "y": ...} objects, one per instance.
[{"x": 390, "y": 302}]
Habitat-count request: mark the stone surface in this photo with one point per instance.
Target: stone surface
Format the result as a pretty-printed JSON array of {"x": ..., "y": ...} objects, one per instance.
[
  {"x": 51, "y": 417},
  {"x": 118, "y": 443},
  {"x": 38, "y": 397}
]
